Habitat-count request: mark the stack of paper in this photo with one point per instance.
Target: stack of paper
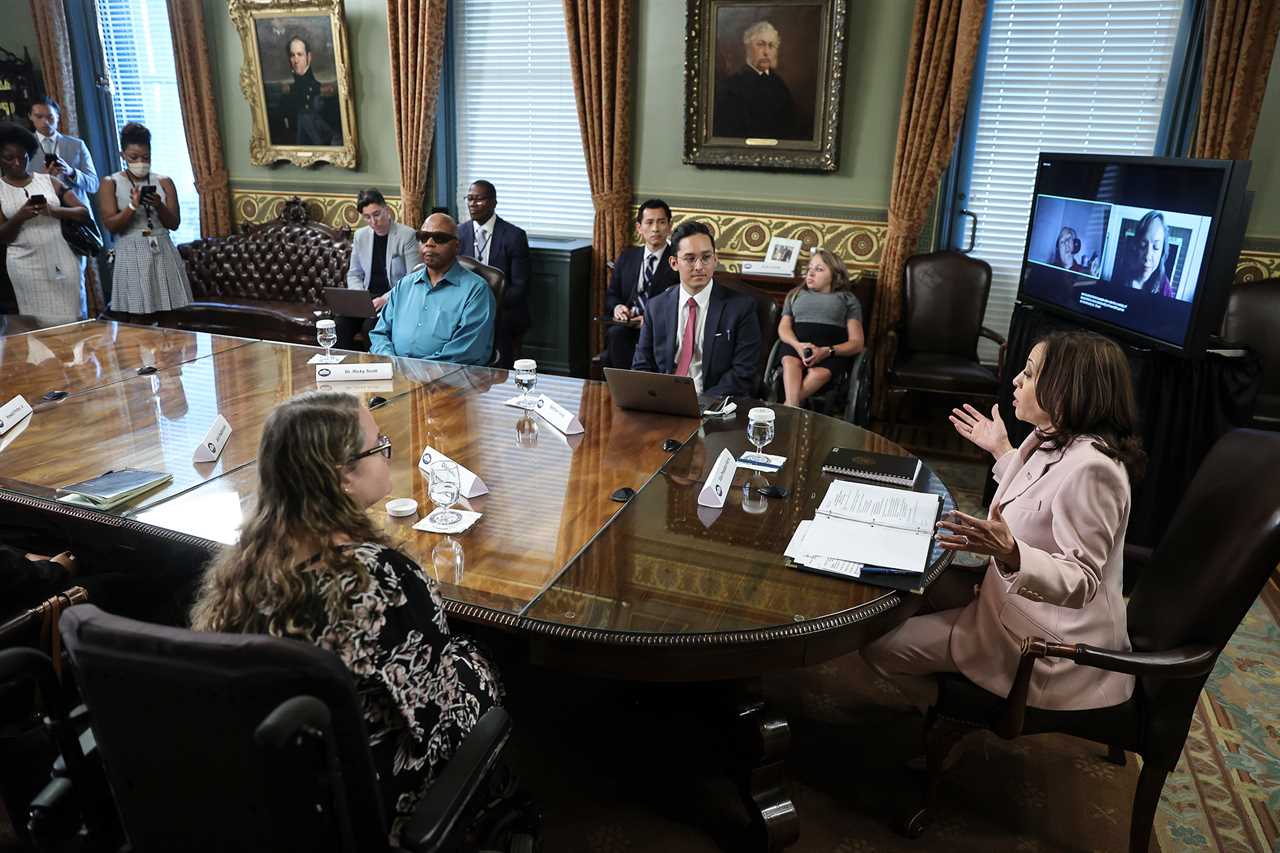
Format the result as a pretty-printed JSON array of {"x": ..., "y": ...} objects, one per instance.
[{"x": 860, "y": 527}]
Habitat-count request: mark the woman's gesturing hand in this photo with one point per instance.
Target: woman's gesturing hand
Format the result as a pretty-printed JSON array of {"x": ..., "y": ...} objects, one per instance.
[
  {"x": 990, "y": 537},
  {"x": 986, "y": 432}
]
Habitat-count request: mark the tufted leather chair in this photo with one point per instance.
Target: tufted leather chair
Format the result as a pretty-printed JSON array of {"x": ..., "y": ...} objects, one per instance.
[
  {"x": 1219, "y": 551},
  {"x": 497, "y": 282},
  {"x": 935, "y": 347},
  {"x": 266, "y": 281},
  {"x": 1253, "y": 319}
]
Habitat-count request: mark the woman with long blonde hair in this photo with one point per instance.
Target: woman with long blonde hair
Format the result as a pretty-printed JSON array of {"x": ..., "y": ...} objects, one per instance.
[
  {"x": 820, "y": 330},
  {"x": 311, "y": 565}
]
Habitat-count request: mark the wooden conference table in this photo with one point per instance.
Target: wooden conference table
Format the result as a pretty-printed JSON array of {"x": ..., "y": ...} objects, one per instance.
[{"x": 658, "y": 589}]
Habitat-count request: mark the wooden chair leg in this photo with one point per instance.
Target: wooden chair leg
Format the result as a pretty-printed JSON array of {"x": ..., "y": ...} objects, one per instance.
[
  {"x": 1145, "y": 800},
  {"x": 941, "y": 736}
]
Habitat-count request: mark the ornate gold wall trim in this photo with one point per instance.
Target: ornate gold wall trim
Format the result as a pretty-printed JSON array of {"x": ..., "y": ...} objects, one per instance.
[
  {"x": 1254, "y": 266},
  {"x": 339, "y": 211}
]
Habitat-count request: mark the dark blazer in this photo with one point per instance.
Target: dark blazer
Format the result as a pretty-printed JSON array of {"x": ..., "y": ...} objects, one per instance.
[
  {"x": 509, "y": 252},
  {"x": 626, "y": 275},
  {"x": 730, "y": 341}
]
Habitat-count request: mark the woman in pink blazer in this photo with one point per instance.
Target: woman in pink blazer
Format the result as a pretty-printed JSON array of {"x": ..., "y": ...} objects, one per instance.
[{"x": 1055, "y": 536}]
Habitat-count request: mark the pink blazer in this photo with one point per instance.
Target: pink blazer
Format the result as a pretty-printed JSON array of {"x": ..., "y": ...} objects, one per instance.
[{"x": 1068, "y": 510}]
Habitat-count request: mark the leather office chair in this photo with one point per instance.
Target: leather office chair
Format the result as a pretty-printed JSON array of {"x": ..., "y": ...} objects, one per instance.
[
  {"x": 934, "y": 349},
  {"x": 497, "y": 282},
  {"x": 850, "y": 398},
  {"x": 1253, "y": 319},
  {"x": 768, "y": 313},
  {"x": 1219, "y": 550},
  {"x": 248, "y": 742}
]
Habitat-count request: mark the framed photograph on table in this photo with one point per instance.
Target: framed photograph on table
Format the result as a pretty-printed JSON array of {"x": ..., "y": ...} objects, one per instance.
[
  {"x": 297, "y": 79},
  {"x": 763, "y": 83}
]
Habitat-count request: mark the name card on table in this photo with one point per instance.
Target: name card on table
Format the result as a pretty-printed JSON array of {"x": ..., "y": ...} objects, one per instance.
[
  {"x": 214, "y": 440},
  {"x": 346, "y": 372},
  {"x": 12, "y": 412},
  {"x": 353, "y": 386},
  {"x": 558, "y": 416},
  {"x": 716, "y": 489},
  {"x": 470, "y": 485}
]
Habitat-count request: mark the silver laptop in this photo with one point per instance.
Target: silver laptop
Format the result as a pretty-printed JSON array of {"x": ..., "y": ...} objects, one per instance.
[
  {"x": 653, "y": 392},
  {"x": 347, "y": 302}
]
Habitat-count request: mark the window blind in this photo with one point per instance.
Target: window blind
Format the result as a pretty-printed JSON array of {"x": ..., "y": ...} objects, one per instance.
[
  {"x": 1084, "y": 76},
  {"x": 138, "y": 51},
  {"x": 517, "y": 120}
]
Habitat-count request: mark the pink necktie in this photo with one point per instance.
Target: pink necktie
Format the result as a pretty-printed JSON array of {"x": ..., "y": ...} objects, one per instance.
[{"x": 686, "y": 344}]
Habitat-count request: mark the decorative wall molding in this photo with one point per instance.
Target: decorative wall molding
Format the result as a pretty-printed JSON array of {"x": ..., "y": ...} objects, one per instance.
[
  {"x": 1253, "y": 265},
  {"x": 336, "y": 210}
]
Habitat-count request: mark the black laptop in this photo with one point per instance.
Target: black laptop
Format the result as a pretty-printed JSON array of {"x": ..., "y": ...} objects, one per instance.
[{"x": 346, "y": 302}]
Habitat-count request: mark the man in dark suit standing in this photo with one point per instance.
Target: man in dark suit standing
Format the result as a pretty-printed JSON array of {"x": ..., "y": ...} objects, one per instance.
[
  {"x": 699, "y": 330},
  {"x": 639, "y": 274},
  {"x": 492, "y": 240}
]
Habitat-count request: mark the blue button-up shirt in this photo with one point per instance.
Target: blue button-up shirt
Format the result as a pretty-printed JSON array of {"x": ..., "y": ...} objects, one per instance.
[{"x": 450, "y": 321}]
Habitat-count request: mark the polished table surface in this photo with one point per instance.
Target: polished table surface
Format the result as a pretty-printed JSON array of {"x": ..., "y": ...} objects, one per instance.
[{"x": 552, "y": 555}]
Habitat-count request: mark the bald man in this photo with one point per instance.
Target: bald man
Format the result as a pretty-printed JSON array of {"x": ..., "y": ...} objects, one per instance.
[{"x": 439, "y": 311}]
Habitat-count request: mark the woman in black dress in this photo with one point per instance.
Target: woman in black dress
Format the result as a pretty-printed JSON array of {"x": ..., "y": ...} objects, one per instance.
[
  {"x": 820, "y": 330},
  {"x": 311, "y": 564}
]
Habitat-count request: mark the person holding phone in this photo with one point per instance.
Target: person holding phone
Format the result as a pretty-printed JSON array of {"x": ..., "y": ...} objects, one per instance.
[
  {"x": 47, "y": 277},
  {"x": 141, "y": 207}
]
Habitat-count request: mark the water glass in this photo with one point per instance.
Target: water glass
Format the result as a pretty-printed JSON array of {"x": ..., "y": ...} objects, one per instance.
[
  {"x": 448, "y": 561},
  {"x": 526, "y": 380},
  {"x": 527, "y": 431},
  {"x": 754, "y": 501},
  {"x": 444, "y": 489},
  {"x": 326, "y": 335},
  {"x": 760, "y": 427}
]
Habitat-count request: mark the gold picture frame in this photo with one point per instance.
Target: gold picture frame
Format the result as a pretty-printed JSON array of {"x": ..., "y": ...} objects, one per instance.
[
  {"x": 782, "y": 117},
  {"x": 297, "y": 79}
]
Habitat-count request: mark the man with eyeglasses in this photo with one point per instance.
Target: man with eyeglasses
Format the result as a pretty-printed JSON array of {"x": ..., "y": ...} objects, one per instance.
[
  {"x": 381, "y": 255},
  {"x": 492, "y": 240},
  {"x": 440, "y": 311},
  {"x": 699, "y": 330}
]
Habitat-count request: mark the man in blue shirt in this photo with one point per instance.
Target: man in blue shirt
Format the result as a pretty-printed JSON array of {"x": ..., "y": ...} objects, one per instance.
[{"x": 441, "y": 311}]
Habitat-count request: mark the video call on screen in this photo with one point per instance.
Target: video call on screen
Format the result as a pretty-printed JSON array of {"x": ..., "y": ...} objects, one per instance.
[{"x": 1124, "y": 244}]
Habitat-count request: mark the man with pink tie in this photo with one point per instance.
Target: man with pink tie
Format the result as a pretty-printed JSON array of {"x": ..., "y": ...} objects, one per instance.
[{"x": 699, "y": 330}]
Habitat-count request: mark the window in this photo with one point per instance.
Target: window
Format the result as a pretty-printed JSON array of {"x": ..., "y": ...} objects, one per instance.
[
  {"x": 1060, "y": 75},
  {"x": 138, "y": 51},
  {"x": 516, "y": 117}
]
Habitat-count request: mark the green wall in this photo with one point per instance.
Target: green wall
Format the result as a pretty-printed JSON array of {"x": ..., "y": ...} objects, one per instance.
[
  {"x": 1264, "y": 180},
  {"x": 877, "y": 39},
  {"x": 19, "y": 33},
  {"x": 379, "y": 164}
]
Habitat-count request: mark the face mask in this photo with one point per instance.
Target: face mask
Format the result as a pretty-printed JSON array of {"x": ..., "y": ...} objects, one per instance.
[{"x": 139, "y": 170}]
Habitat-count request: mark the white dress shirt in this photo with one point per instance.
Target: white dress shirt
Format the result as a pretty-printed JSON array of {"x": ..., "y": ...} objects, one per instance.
[
  {"x": 487, "y": 228},
  {"x": 703, "y": 299}
]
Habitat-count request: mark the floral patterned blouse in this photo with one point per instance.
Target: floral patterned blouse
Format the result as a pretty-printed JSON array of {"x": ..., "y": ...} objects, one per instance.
[{"x": 422, "y": 688}]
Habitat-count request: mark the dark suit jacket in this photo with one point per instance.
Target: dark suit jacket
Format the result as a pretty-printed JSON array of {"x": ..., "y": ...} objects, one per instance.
[
  {"x": 730, "y": 341},
  {"x": 508, "y": 252},
  {"x": 626, "y": 275}
]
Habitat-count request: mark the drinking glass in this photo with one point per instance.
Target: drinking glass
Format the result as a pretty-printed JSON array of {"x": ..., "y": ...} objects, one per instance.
[
  {"x": 526, "y": 380},
  {"x": 760, "y": 427},
  {"x": 753, "y": 498},
  {"x": 326, "y": 335},
  {"x": 527, "y": 431},
  {"x": 444, "y": 489}
]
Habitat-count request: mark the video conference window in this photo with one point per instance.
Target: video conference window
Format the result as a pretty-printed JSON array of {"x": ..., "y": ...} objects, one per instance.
[
  {"x": 1069, "y": 234},
  {"x": 1156, "y": 251}
]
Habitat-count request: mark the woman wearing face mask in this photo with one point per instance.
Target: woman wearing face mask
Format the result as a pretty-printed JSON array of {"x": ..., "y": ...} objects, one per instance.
[
  {"x": 141, "y": 207},
  {"x": 47, "y": 277}
]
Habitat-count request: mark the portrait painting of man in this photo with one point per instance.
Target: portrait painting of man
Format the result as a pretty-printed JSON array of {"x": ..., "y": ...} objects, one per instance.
[
  {"x": 299, "y": 80},
  {"x": 764, "y": 81}
]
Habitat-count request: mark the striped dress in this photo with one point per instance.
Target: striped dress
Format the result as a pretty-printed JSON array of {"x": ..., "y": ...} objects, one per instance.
[
  {"x": 48, "y": 278},
  {"x": 146, "y": 276}
]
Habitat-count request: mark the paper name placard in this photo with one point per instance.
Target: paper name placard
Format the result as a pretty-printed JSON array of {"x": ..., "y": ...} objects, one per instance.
[
  {"x": 353, "y": 386},
  {"x": 344, "y": 372},
  {"x": 12, "y": 412},
  {"x": 470, "y": 485},
  {"x": 214, "y": 440},
  {"x": 716, "y": 489},
  {"x": 558, "y": 416}
]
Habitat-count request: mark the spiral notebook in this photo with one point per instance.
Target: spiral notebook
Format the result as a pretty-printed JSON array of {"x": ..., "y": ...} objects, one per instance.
[{"x": 868, "y": 465}]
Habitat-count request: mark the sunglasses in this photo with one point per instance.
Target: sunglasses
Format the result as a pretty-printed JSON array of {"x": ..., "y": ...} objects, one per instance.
[
  {"x": 440, "y": 238},
  {"x": 383, "y": 446}
]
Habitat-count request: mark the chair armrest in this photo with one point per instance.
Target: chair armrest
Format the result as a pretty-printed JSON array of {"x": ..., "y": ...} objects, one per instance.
[
  {"x": 438, "y": 811},
  {"x": 772, "y": 371},
  {"x": 52, "y": 811},
  {"x": 1183, "y": 662},
  {"x": 292, "y": 717},
  {"x": 998, "y": 339},
  {"x": 858, "y": 380}
]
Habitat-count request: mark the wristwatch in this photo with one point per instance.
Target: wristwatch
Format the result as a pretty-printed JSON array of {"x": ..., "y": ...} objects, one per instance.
[{"x": 831, "y": 351}]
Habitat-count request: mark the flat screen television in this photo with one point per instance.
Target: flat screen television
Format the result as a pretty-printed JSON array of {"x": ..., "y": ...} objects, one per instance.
[{"x": 1140, "y": 247}]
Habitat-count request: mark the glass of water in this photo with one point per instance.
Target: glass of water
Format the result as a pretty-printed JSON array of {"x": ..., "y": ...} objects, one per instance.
[
  {"x": 760, "y": 427},
  {"x": 326, "y": 335},
  {"x": 444, "y": 489},
  {"x": 526, "y": 381},
  {"x": 449, "y": 561},
  {"x": 527, "y": 431}
]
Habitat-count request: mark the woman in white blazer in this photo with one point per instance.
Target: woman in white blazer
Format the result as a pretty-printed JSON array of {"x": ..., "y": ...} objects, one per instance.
[{"x": 1054, "y": 535}]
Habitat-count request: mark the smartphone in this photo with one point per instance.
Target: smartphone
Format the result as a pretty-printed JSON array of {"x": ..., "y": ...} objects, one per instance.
[
  {"x": 50, "y": 158},
  {"x": 149, "y": 189},
  {"x": 36, "y": 199}
]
